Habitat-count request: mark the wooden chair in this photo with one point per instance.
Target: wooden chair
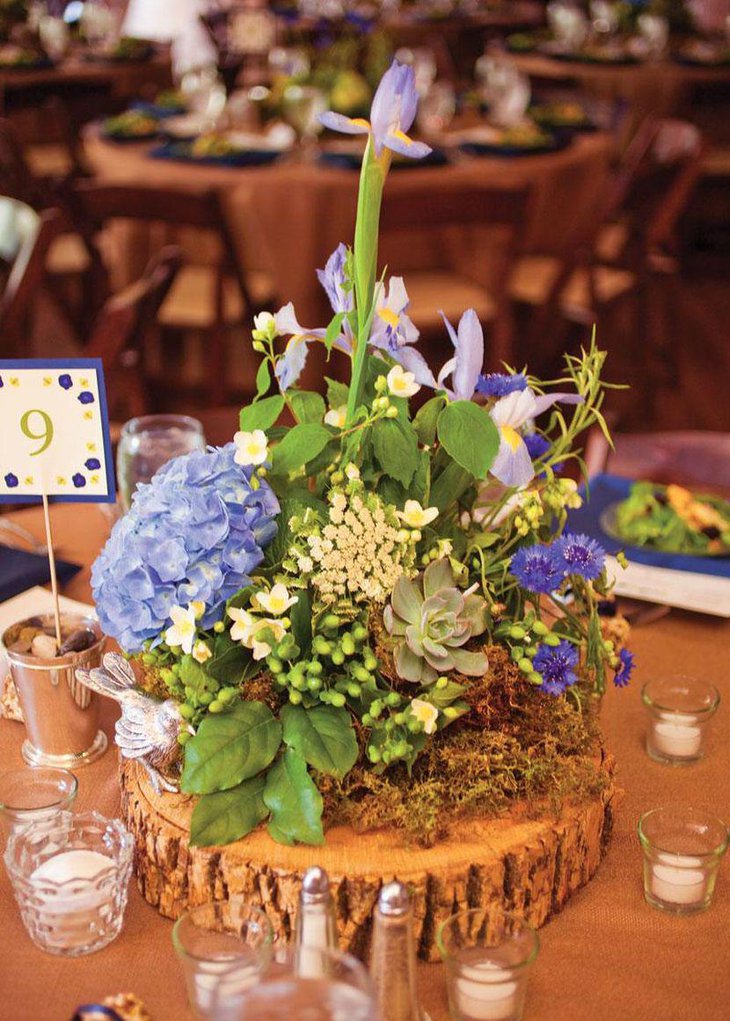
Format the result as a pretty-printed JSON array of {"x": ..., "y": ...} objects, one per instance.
[
  {"x": 620, "y": 262},
  {"x": 24, "y": 276},
  {"x": 689, "y": 458},
  {"x": 207, "y": 299},
  {"x": 120, "y": 330},
  {"x": 68, "y": 259},
  {"x": 653, "y": 187},
  {"x": 503, "y": 210}
]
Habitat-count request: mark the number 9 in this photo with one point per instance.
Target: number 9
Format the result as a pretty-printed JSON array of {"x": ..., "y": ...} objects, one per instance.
[{"x": 47, "y": 430}]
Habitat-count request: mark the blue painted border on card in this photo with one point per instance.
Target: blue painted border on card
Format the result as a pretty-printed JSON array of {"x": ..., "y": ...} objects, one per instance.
[{"x": 71, "y": 363}]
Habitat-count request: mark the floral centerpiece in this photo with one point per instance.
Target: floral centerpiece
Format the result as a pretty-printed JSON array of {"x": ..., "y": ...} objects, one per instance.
[{"x": 375, "y": 614}]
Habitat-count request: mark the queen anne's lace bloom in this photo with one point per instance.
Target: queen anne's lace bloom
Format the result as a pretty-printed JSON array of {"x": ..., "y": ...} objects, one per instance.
[
  {"x": 196, "y": 532},
  {"x": 358, "y": 553}
]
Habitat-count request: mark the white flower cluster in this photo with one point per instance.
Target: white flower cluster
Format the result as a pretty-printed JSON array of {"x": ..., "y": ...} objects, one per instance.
[{"x": 360, "y": 552}]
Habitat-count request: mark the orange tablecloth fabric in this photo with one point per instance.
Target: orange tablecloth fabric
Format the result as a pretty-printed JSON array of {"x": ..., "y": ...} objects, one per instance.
[
  {"x": 288, "y": 218},
  {"x": 606, "y": 957}
]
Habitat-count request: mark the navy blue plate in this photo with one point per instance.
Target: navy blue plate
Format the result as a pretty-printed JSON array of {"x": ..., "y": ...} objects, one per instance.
[
  {"x": 353, "y": 160},
  {"x": 182, "y": 151}
]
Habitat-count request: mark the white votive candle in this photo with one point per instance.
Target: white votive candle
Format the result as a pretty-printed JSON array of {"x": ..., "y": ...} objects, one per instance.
[
  {"x": 486, "y": 992},
  {"x": 72, "y": 909},
  {"x": 678, "y": 738},
  {"x": 219, "y": 985},
  {"x": 678, "y": 879}
]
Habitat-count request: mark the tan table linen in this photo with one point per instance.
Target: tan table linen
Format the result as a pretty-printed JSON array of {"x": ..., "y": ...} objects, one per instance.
[
  {"x": 288, "y": 218},
  {"x": 606, "y": 957}
]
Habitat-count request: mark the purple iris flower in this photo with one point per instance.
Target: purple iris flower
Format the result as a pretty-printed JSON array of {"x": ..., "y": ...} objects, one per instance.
[
  {"x": 391, "y": 115},
  {"x": 335, "y": 281},
  {"x": 557, "y": 665},
  {"x": 393, "y": 332},
  {"x": 466, "y": 365}
]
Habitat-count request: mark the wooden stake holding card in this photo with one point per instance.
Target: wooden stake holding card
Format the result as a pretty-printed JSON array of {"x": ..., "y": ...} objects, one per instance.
[{"x": 54, "y": 439}]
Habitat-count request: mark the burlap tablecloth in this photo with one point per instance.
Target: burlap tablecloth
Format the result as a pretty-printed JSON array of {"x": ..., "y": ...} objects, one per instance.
[
  {"x": 607, "y": 957},
  {"x": 286, "y": 219}
]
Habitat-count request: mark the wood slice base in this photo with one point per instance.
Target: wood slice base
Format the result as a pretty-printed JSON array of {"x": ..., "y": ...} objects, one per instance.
[{"x": 529, "y": 865}]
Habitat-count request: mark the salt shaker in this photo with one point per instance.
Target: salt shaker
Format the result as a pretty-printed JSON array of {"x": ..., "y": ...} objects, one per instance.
[
  {"x": 316, "y": 926},
  {"x": 393, "y": 958}
]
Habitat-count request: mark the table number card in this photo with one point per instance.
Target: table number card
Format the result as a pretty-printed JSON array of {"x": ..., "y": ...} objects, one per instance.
[{"x": 54, "y": 431}]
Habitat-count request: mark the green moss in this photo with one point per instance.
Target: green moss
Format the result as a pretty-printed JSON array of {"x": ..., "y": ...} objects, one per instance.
[{"x": 516, "y": 745}]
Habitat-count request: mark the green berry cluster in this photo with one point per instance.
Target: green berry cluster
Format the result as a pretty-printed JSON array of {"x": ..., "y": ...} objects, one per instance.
[
  {"x": 339, "y": 665},
  {"x": 523, "y": 638}
]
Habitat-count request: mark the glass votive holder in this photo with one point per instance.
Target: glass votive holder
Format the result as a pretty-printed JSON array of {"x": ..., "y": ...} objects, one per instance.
[
  {"x": 679, "y": 708},
  {"x": 70, "y": 879},
  {"x": 682, "y": 849},
  {"x": 310, "y": 982},
  {"x": 34, "y": 796},
  {"x": 223, "y": 946},
  {"x": 488, "y": 956}
]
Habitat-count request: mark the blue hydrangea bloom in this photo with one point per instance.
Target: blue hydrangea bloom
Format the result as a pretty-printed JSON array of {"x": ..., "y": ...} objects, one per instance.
[
  {"x": 537, "y": 568},
  {"x": 581, "y": 555},
  {"x": 196, "y": 532},
  {"x": 499, "y": 384},
  {"x": 557, "y": 665},
  {"x": 623, "y": 675}
]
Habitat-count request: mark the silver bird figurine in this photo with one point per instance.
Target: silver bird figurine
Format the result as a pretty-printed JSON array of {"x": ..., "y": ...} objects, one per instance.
[{"x": 147, "y": 730}]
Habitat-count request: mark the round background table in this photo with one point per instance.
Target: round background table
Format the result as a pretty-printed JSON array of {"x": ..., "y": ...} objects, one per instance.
[
  {"x": 288, "y": 218},
  {"x": 607, "y": 956}
]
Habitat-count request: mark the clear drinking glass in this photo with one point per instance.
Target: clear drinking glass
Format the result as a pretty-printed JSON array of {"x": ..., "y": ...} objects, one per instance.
[
  {"x": 223, "y": 947},
  {"x": 342, "y": 989},
  {"x": 488, "y": 956},
  {"x": 147, "y": 443},
  {"x": 682, "y": 849},
  {"x": 302, "y": 106},
  {"x": 437, "y": 108},
  {"x": 34, "y": 796},
  {"x": 70, "y": 879},
  {"x": 679, "y": 708}
]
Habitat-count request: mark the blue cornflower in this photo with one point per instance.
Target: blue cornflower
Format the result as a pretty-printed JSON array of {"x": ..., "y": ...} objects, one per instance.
[
  {"x": 557, "y": 665},
  {"x": 196, "y": 532},
  {"x": 499, "y": 384},
  {"x": 537, "y": 568},
  {"x": 581, "y": 555},
  {"x": 623, "y": 675}
]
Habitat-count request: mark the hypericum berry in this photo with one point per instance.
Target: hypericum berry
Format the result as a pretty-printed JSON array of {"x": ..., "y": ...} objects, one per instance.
[{"x": 216, "y": 706}]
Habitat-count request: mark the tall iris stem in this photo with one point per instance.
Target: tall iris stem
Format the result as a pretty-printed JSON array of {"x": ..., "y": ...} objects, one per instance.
[{"x": 372, "y": 180}]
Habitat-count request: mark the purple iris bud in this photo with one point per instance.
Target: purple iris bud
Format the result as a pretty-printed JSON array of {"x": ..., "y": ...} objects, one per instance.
[{"x": 391, "y": 115}]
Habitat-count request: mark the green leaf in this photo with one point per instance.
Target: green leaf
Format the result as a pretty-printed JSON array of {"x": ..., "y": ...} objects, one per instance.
[
  {"x": 323, "y": 736},
  {"x": 230, "y": 747},
  {"x": 300, "y": 499},
  {"x": 192, "y": 675},
  {"x": 334, "y": 329},
  {"x": 231, "y": 663},
  {"x": 425, "y": 421},
  {"x": 261, "y": 414},
  {"x": 302, "y": 443},
  {"x": 226, "y": 816},
  {"x": 485, "y": 539},
  {"x": 308, "y": 406},
  {"x": 469, "y": 436},
  {"x": 450, "y": 485},
  {"x": 396, "y": 449},
  {"x": 336, "y": 393},
  {"x": 301, "y": 621},
  {"x": 441, "y": 697},
  {"x": 294, "y": 801},
  {"x": 263, "y": 378}
]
